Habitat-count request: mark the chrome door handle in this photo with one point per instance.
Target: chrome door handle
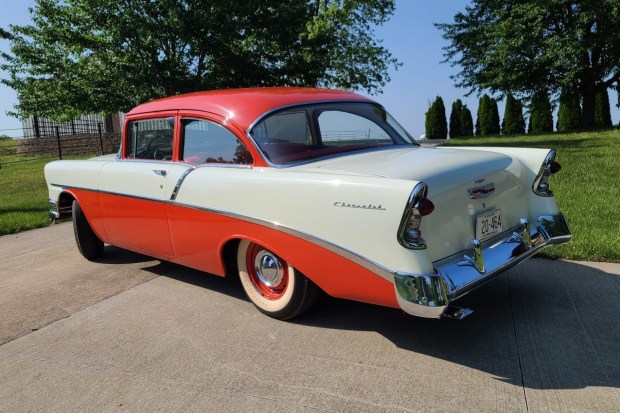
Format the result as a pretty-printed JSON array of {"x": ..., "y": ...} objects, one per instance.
[{"x": 160, "y": 172}]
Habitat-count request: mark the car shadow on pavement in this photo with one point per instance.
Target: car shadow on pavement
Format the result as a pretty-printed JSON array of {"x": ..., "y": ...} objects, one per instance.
[
  {"x": 224, "y": 285},
  {"x": 551, "y": 324}
]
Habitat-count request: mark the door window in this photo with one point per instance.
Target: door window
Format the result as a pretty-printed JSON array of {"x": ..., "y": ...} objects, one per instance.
[
  {"x": 208, "y": 142},
  {"x": 150, "y": 139}
]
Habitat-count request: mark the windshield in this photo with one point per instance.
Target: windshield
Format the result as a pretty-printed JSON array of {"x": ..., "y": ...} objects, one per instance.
[{"x": 308, "y": 132}]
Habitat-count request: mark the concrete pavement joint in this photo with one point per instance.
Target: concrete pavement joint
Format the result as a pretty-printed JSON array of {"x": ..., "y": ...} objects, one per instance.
[{"x": 514, "y": 329}]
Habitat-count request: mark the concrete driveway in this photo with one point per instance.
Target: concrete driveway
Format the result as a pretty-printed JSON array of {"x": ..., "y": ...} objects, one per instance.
[{"x": 134, "y": 334}]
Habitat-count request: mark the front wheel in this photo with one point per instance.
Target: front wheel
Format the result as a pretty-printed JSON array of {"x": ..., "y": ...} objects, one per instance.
[
  {"x": 272, "y": 284},
  {"x": 90, "y": 246}
]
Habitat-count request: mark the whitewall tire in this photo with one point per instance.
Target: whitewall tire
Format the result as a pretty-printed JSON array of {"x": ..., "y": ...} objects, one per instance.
[{"x": 272, "y": 284}]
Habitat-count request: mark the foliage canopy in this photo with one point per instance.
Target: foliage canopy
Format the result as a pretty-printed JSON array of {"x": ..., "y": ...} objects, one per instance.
[
  {"x": 85, "y": 56},
  {"x": 522, "y": 46}
]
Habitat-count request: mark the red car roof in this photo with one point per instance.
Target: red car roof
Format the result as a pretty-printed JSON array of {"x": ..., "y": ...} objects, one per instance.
[{"x": 244, "y": 106}]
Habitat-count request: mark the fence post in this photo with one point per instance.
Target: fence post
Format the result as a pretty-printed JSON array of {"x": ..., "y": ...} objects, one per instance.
[
  {"x": 59, "y": 146},
  {"x": 100, "y": 136}
]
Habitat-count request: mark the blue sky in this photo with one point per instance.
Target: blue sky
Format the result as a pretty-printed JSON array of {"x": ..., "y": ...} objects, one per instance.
[{"x": 409, "y": 35}]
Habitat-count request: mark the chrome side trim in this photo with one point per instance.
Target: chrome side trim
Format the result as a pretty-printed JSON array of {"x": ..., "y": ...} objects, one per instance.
[
  {"x": 540, "y": 186},
  {"x": 175, "y": 191},
  {"x": 362, "y": 261},
  {"x": 428, "y": 295}
]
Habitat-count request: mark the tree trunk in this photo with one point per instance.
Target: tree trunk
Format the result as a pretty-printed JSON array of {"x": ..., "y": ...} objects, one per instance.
[{"x": 588, "y": 102}]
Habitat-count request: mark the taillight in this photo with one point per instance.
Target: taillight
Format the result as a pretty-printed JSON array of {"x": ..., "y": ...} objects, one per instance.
[
  {"x": 555, "y": 167},
  {"x": 548, "y": 168},
  {"x": 409, "y": 234},
  {"x": 425, "y": 206}
]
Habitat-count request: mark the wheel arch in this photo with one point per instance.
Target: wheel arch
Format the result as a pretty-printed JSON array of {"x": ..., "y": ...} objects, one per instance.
[{"x": 334, "y": 274}]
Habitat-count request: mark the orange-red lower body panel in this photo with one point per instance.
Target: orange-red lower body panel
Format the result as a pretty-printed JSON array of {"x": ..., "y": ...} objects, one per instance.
[{"x": 197, "y": 238}]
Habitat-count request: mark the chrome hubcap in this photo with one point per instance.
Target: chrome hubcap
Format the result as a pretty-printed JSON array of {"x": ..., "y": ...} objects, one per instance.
[{"x": 268, "y": 268}]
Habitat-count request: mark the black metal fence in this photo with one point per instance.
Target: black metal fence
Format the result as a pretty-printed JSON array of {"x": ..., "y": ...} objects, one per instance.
[{"x": 77, "y": 138}]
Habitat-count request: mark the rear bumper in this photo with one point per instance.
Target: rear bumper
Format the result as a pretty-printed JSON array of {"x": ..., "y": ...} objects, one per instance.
[{"x": 428, "y": 295}]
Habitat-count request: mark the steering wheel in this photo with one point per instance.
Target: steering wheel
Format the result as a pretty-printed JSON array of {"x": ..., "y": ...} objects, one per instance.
[{"x": 155, "y": 145}]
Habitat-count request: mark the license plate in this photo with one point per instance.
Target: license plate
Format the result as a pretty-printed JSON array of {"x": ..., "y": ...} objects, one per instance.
[{"x": 488, "y": 224}]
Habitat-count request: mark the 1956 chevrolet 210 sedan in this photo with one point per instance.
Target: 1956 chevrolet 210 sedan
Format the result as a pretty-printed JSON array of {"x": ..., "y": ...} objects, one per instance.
[{"x": 298, "y": 190}]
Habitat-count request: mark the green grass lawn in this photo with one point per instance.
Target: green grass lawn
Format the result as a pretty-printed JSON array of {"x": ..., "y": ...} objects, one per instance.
[
  {"x": 23, "y": 195},
  {"x": 587, "y": 188}
]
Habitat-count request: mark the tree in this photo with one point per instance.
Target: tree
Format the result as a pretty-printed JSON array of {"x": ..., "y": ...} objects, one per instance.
[
  {"x": 541, "y": 116},
  {"x": 514, "y": 123},
  {"x": 488, "y": 117},
  {"x": 483, "y": 109},
  {"x": 85, "y": 56},
  {"x": 569, "y": 112},
  {"x": 528, "y": 45},
  {"x": 436, "y": 125},
  {"x": 456, "y": 122},
  {"x": 467, "y": 122},
  {"x": 493, "y": 127},
  {"x": 602, "y": 112}
]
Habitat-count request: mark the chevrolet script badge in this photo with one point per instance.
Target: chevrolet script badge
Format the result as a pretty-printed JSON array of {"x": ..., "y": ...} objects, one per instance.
[{"x": 481, "y": 191}]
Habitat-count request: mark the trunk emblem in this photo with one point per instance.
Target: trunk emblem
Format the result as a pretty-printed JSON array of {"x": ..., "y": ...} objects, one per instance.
[{"x": 481, "y": 191}]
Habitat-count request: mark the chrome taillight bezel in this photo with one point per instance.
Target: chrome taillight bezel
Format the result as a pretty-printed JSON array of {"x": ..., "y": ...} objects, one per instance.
[
  {"x": 541, "y": 183},
  {"x": 409, "y": 234}
]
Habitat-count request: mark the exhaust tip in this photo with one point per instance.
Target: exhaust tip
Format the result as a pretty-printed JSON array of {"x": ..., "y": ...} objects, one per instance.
[{"x": 456, "y": 313}]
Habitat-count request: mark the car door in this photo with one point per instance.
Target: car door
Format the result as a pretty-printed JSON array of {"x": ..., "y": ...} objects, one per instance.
[
  {"x": 211, "y": 149},
  {"x": 134, "y": 189}
]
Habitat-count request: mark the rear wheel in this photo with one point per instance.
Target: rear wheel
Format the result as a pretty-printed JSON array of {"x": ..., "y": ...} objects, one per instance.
[
  {"x": 272, "y": 284},
  {"x": 90, "y": 246}
]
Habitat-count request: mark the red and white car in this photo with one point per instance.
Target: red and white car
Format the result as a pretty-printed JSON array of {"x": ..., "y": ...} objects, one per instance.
[{"x": 299, "y": 190}]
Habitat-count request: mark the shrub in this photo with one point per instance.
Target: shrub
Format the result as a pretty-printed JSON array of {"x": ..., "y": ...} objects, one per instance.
[
  {"x": 514, "y": 123},
  {"x": 456, "y": 124},
  {"x": 467, "y": 123},
  {"x": 569, "y": 114},
  {"x": 488, "y": 117},
  {"x": 541, "y": 114},
  {"x": 436, "y": 125},
  {"x": 602, "y": 111}
]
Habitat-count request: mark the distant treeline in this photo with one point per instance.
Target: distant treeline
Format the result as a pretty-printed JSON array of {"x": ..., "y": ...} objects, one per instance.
[{"x": 539, "y": 108}]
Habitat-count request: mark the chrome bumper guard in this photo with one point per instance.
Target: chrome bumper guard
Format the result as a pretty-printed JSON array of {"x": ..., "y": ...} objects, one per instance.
[
  {"x": 54, "y": 214},
  {"x": 430, "y": 295}
]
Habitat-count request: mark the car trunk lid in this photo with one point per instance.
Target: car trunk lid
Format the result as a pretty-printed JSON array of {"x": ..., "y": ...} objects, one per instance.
[{"x": 462, "y": 184}]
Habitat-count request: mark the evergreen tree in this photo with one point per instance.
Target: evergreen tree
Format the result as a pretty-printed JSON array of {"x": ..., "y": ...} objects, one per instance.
[
  {"x": 602, "y": 112},
  {"x": 569, "y": 113},
  {"x": 513, "y": 117},
  {"x": 541, "y": 114},
  {"x": 436, "y": 125},
  {"x": 482, "y": 115},
  {"x": 456, "y": 125},
  {"x": 488, "y": 117},
  {"x": 467, "y": 123},
  {"x": 493, "y": 120}
]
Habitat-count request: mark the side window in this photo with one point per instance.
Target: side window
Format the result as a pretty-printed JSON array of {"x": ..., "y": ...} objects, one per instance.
[
  {"x": 208, "y": 142},
  {"x": 285, "y": 127},
  {"x": 343, "y": 128},
  {"x": 150, "y": 139}
]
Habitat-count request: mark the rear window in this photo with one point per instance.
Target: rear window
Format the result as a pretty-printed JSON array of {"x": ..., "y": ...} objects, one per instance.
[{"x": 314, "y": 131}]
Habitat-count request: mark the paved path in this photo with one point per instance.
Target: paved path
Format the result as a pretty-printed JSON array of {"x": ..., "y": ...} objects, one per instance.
[{"x": 132, "y": 334}]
